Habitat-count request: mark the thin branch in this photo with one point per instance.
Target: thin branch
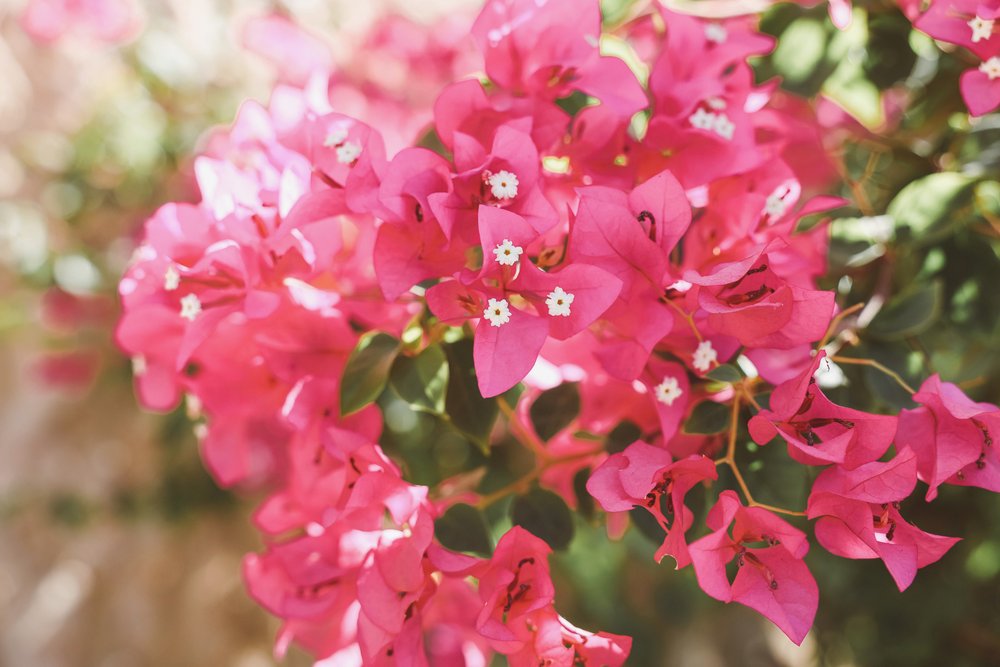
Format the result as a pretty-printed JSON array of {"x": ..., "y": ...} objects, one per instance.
[
  {"x": 730, "y": 460},
  {"x": 835, "y": 322},
  {"x": 877, "y": 366}
]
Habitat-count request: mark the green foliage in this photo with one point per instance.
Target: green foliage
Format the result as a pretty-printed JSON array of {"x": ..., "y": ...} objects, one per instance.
[
  {"x": 926, "y": 209},
  {"x": 367, "y": 371},
  {"x": 545, "y": 515},
  {"x": 422, "y": 380},
  {"x": 463, "y": 528},
  {"x": 555, "y": 409},
  {"x": 621, "y": 436},
  {"x": 472, "y": 414},
  {"x": 707, "y": 418},
  {"x": 727, "y": 373},
  {"x": 909, "y": 313}
]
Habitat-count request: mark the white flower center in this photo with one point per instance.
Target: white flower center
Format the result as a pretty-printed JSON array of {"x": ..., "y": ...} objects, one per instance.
[
  {"x": 559, "y": 302},
  {"x": 139, "y": 366},
  {"x": 724, "y": 127},
  {"x": 668, "y": 391},
  {"x": 497, "y": 312},
  {"x": 337, "y": 136},
  {"x": 704, "y": 356},
  {"x": 506, "y": 253},
  {"x": 775, "y": 206},
  {"x": 711, "y": 121},
  {"x": 503, "y": 185},
  {"x": 981, "y": 29},
  {"x": 703, "y": 120},
  {"x": 190, "y": 307},
  {"x": 171, "y": 279},
  {"x": 991, "y": 67},
  {"x": 715, "y": 32},
  {"x": 348, "y": 152}
]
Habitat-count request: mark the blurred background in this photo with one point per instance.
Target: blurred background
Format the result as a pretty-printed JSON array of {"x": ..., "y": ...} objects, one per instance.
[{"x": 116, "y": 549}]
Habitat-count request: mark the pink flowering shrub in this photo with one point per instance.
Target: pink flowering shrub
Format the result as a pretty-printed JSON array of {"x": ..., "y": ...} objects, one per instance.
[{"x": 623, "y": 255}]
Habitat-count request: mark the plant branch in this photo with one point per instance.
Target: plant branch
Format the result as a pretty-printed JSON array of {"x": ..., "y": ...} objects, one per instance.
[
  {"x": 730, "y": 460},
  {"x": 877, "y": 366}
]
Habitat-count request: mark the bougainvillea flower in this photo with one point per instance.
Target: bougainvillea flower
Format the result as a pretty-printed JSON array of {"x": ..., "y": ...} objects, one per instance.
[
  {"x": 295, "y": 52},
  {"x": 670, "y": 391},
  {"x": 550, "y": 49},
  {"x": 972, "y": 24},
  {"x": 745, "y": 299},
  {"x": 411, "y": 246},
  {"x": 700, "y": 127},
  {"x": 514, "y": 583},
  {"x": 968, "y": 23},
  {"x": 953, "y": 437},
  {"x": 644, "y": 475},
  {"x": 858, "y": 517},
  {"x": 509, "y": 338},
  {"x": 505, "y": 176},
  {"x": 631, "y": 235},
  {"x": 771, "y": 579},
  {"x": 556, "y": 642},
  {"x": 817, "y": 431},
  {"x": 105, "y": 20}
]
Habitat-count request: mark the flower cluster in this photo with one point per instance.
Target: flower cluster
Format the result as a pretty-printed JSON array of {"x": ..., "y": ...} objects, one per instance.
[
  {"x": 969, "y": 23},
  {"x": 630, "y": 225}
]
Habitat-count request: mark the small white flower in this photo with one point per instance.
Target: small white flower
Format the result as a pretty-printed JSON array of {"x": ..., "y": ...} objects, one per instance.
[
  {"x": 703, "y": 120},
  {"x": 337, "y": 136},
  {"x": 497, "y": 312},
  {"x": 668, "y": 391},
  {"x": 171, "y": 279},
  {"x": 559, "y": 302},
  {"x": 704, "y": 356},
  {"x": 715, "y": 32},
  {"x": 680, "y": 285},
  {"x": 190, "y": 307},
  {"x": 724, "y": 127},
  {"x": 991, "y": 67},
  {"x": 503, "y": 185},
  {"x": 981, "y": 29},
  {"x": 139, "y": 366},
  {"x": 716, "y": 103},
  {"x": 192, "y": 406},
  {"x": 506, "y": 253},
  {"x": 775, "y": 206},
  {"x": 348, "y": 152}
]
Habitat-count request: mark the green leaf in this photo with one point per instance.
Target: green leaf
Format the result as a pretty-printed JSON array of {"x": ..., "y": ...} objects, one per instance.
[
  {"x": 545, "y": 515},
  {"x": 422, "y": 380},
  {"x": 800, "y": 50},
  {"x": 367, "y": 371},
  {"x": 472, "y": 414},
  {"x": 848, "y": 86},
  {"x": 926, "y": 208},
  {"x": 889, "y": 58},
  {"x": 725, "y": 373},
  {"x": 584, "y": 501},
  {"x": 647, "y": 524},
  {"x": 708, "y": 418},
  {"x": 555, "y": 409},
  {"x": 621, "y": 436},
  {"x": 464, "y": 528},
  {"x": 908, "y": 314}
]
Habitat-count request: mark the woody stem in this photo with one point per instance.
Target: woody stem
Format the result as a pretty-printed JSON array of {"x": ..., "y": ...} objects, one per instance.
[
  {"x": 877, "y": 366},
  {"x": 687, "y": 317},
  {"x": 523, "y": 483},
  {"x": 520, "y": 430},
  {"x": 836, "y": 321},
  {"x": 730, "y": 460}
]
